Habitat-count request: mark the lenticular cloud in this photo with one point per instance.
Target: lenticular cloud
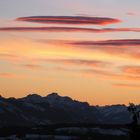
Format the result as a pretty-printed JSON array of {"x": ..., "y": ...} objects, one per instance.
[{"x": 70, "y": 20}]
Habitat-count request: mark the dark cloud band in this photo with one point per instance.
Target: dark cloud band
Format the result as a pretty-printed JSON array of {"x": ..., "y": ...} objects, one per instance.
[
  {"x": 123, "y": 42},
  {"x": 67, "y": 29},
  {"x": 70, "y": 20}
]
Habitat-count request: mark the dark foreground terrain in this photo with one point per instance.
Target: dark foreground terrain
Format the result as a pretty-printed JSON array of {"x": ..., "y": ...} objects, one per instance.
[
  {"x": 53, "y": 108},
  {"x": 69, "y": 131},
  {"x": 56, "y": 117}
]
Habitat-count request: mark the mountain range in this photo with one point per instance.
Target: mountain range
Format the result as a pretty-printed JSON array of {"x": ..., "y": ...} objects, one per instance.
[{"x": 53, "y": 108}]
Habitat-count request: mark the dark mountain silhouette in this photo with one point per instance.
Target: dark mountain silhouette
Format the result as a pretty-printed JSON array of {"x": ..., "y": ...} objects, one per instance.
[{"x": 37, "y": 110}]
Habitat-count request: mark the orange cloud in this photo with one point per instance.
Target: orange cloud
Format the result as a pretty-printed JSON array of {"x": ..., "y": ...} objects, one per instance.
[
  {"x": 102, "y": 74},
  {"x": 78, "y": 62},
  {"x": 12, "y": 75},
  {"x": 82, "y": 20},
  {"x": 129, "y": 48},
  {"x": 10, "y": 57},
  {"x": 32, "y": 66},
  {"x": 120, "y": 85},
  {"x": 110, "y": 75},
  {"x": 131, "y": 70}
]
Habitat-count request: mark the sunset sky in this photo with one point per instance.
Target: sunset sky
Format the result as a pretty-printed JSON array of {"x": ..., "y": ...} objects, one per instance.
[{"x": 86, "y": 49}]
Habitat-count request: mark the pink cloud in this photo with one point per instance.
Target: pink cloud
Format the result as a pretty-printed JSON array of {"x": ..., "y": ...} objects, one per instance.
[
  {"x": 67, "y": 29},
  {"x": 129, "y": 48},
  {"x": 82, "y": 20}
]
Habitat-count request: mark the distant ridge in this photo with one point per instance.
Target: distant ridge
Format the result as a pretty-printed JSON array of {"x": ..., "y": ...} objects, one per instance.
[{"x": 53, "y": 108}]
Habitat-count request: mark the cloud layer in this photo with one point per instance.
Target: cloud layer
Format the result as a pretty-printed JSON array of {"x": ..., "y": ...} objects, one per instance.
[
  {"x": 132, "y": 70},
  {"x": 12, "y": 75},
  {"x": 82, "y": 20},
  {"x": 32, "y": 66},
  {"x": 120, "y": 85},
  {"x": 78, "y": 62},
  {"x": 122, "y": 42},
  {"x": 67, "y": 29},
  {"x": 119, "y": 48}
]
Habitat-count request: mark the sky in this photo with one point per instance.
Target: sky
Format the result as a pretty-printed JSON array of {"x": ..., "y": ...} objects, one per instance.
[{"x": 88, "y": 50}]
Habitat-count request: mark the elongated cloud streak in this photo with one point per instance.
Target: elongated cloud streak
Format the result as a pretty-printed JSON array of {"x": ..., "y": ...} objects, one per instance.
[
  {"x": 78, "y": 62},
  {"x": 32, "y": 66},
  {"x": 129, "y": 48},
  {"x": 131, "y": 70},
  {"x": 120, "y": 85},
  {"x": 125, "y": 47},
  {"x": 12, "y": 75},
  {"x": 103, "y": 74},
  {"x": 83, "y": 20},
  {"x": 67, "y": 29},
  {"x": 8, "y": 55},
  {"x": 123, "y": 42},
  {"x": 110, "y": 75}
]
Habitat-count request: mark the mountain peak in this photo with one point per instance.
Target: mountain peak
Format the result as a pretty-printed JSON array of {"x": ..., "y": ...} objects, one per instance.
[
  {"x": 1, "y": 97},
  {"x": 33, "y": 95},
  {"x": 54, "y": 94},
  {"x": 56, "y": 100},
  {"x": 57, "y": 96},
  {"x": 53, "y": 97},
  {"x": 35, "y": 109},
  {"x": 33, "y": 98}
]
